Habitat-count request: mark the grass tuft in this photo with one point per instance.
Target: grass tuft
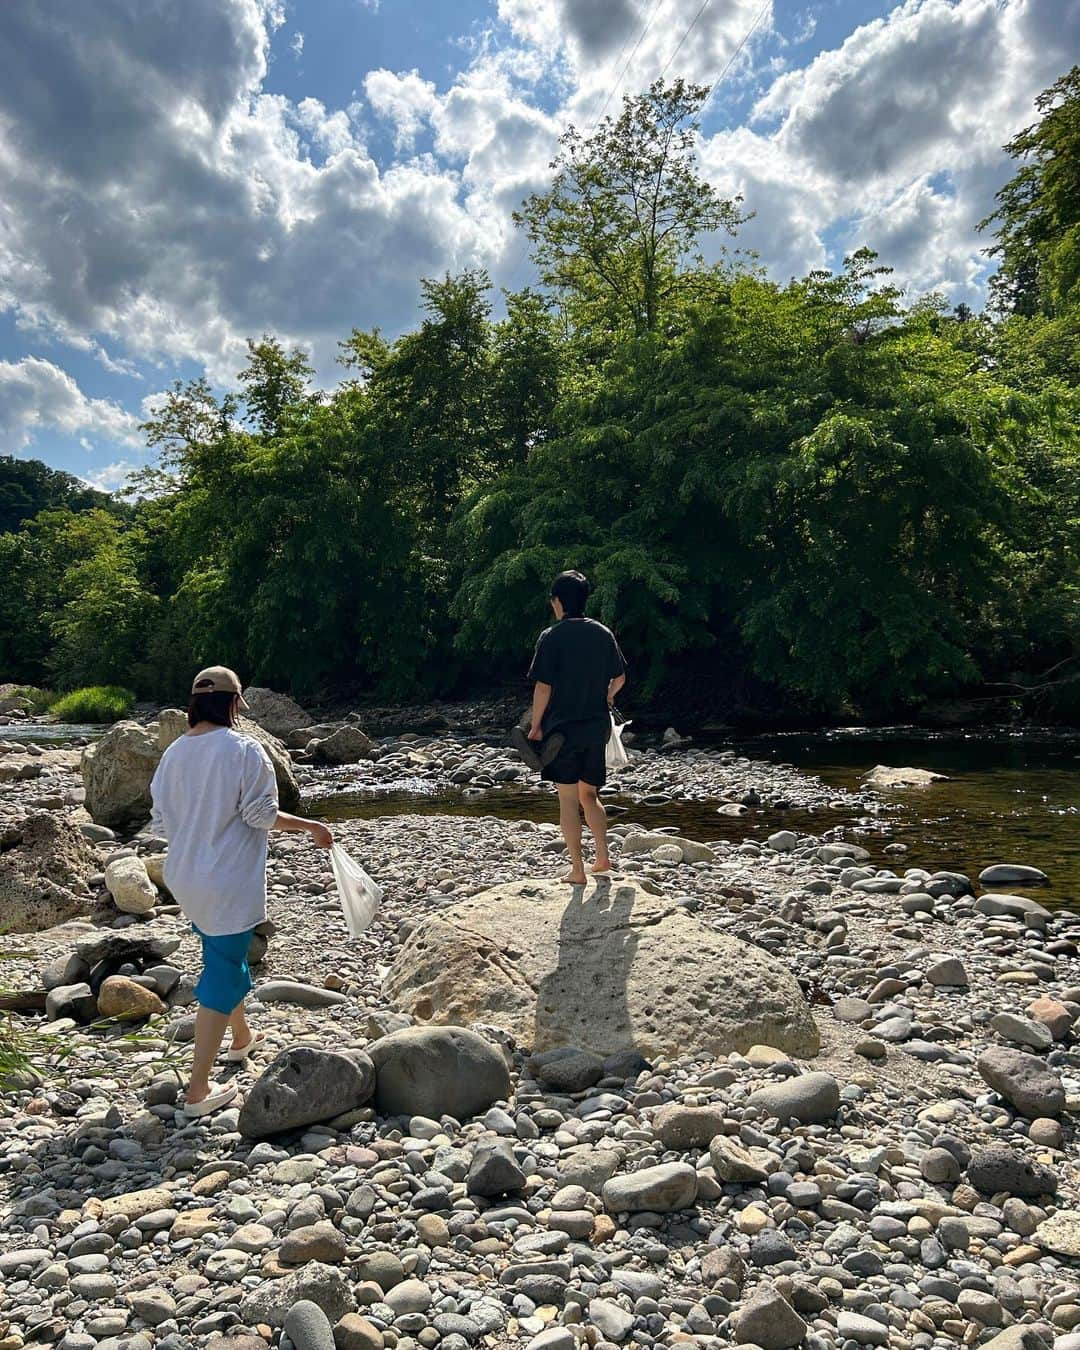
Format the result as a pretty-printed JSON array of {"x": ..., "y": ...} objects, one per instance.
[
  {"x": 39, "y": 700},
  {"x": 98, "y": 703}
]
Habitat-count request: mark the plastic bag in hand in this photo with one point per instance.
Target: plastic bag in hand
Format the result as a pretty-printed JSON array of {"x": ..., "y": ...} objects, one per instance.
[{"x": 359, "y": 895}]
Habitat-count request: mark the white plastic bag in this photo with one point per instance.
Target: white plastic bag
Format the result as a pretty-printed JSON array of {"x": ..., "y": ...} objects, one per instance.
[
  {"x": 616, "y": 755},
  {"x": 359, "y": 895}
]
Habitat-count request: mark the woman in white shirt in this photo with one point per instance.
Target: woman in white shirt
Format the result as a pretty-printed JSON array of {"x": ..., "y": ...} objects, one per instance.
[{"x": 215, "y": 798}]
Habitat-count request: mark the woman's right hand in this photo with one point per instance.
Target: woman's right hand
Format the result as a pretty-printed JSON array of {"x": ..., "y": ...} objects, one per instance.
[{"x": 320, "y": 835}]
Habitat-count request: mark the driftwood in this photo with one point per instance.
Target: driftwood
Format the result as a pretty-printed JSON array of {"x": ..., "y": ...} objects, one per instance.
[{"x": 26, "y": 1000}]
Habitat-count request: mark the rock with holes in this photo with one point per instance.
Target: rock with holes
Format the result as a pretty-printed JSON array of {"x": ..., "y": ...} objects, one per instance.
[
  {"x": 605, "y": 971},
  {"x": 45, "y": 865},
  {"x": 304, "y": 1086}
]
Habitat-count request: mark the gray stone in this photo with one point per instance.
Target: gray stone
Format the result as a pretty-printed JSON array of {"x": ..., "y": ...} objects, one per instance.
[
  {"x": 810, "y": 1098},
  {"x": 71, "y": 1000},
  {"x": 1012, "y": 906},
  {"x": 1018, "y": 1338},
  {"x": 947, "y": 970},
  {"x": 308, "y": 1327},
  {"x": 998, "y": 1167},
  {"x": 435, "y": 1071},
  {"x": 325, "y": 1286},
  {"x": 683, "y": 1127},
  {"x": 571, "y": 1070},
  {"x": 767, "y": 1319},
  {"x": 293, "y": 991},
  {"x": 347, "y": 745},
  {"x": 1012, "y": 874},
  {"x": 854, "y": 1326},
  {"x": 276, "y": 713},
  {"x": 732, "y": 1162},
  {"x": 303, "y": 1086},
  {"x": 648, "y": 841},
  {"x": 1022, "y": 1031},
  {"x": 613, "y": 1322},
  {"x": 659, "y": 1190},
  {"x": 1024, "y": 1081},
  {"x": 494, "y": 1170}
]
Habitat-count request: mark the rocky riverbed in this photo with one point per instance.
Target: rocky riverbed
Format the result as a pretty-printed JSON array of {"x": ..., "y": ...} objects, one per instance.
[{"x": 901, "y": 1172}]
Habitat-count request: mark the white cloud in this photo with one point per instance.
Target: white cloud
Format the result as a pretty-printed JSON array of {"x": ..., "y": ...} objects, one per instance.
[
  {"x": 857, "y": 140},
  {"x": 110, "y": 477},
  {"x": 35, "y": 395},
  {"x": 296, "y": 46},
  {"x": 157, "y": 203},
  {"x": 403, "y": 99}
]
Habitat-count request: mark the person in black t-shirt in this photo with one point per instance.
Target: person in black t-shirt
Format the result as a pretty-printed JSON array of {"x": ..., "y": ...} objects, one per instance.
[{"x": 577, "y": 669}]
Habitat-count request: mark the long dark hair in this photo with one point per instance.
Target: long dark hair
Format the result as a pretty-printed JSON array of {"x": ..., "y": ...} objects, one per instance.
[{"x": 218, "y": 707}]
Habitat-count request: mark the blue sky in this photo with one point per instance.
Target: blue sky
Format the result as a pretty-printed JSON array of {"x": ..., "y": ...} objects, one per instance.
[{"x": 174, "y": 179}]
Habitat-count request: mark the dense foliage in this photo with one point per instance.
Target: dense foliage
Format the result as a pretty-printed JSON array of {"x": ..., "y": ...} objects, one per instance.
[
  {"x": 27, "y": 486},
  {"x": 862, "y": 503},
  {"x": 98, "y": 703}
]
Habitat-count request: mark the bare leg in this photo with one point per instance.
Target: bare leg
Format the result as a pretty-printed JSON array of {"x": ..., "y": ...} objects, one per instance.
[
  {"x": 210, "y": 1029},
  {"x": 596, "y": 819},
  {"x": 241, "y": 1031},
  {"x": 570, "y": 824}
]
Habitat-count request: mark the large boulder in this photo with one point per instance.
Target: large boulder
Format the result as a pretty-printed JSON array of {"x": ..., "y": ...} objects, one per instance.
[
  {"x": 117, "y": 769},
  {"x": 437, "y": 1071},
  {"x": 304, "y": 1086},
  {"x": 116, "y": 772},
  {"x": 347, "y": 745},
  {"x": 615, "y": 968},
  {"x": 276, "y": 713},
  {"x": 45, "y": 867},
  {"x": 883, "y": 776}
]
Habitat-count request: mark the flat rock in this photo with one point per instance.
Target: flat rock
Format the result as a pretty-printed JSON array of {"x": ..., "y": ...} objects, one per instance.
[
  {"x": 1022, "y": 1031},
  {"x": 810, "y": 1098},
  {"x": 1061, "y": 1232},
  {"x": 882, "y": 776},
  {"x": 558, "y": 968},
  {"x": 647, "y": 841},
  {"x": 1012, "y": 906},
  {"x": 294, "y": 991},
  {"x": 439, "y": 1070},
  {"x": 1025, "y": 1082},
  {"x": 658, "y": 1190},
  {"x": 1012, "y": 874}
]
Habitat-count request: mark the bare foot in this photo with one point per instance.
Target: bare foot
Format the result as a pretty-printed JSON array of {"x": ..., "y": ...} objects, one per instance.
[
  {"x": 601, "y": 867},
  {"x": 574, "y": 878}
]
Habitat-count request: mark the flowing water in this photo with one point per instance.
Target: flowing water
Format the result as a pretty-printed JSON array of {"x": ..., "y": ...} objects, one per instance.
[{"x": 1010, "y": 796}]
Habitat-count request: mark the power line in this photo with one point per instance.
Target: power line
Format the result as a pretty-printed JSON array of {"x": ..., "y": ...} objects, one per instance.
[
  {"x": 629, "y": 61},
  {"x": 678, "y": 47},
  {"x": 735, "y": 54}
]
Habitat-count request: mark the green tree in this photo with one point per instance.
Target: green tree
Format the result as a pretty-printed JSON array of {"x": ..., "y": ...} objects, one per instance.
[
  {"x": 625, "y": 211},
  {"x": 276, "y": 383},
  {"x": 1037, "y": 220}
]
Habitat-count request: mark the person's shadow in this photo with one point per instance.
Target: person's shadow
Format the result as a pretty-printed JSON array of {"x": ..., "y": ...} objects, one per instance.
[{"x": 583, "y": 1001}]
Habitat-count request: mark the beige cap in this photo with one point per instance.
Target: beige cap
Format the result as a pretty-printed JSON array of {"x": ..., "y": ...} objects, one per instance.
[{"x": 218, "y": 680}]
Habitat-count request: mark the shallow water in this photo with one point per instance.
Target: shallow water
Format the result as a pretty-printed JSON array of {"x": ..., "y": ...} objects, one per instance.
[
  {"x": 1009, "y": 797},
  {"x": 50, "y": 733}
]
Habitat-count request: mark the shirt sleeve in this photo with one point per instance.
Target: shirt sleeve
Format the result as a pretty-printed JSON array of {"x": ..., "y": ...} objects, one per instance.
[
  {"x": 258, "y": 789},
  {"x": 616, "y": 660},
  {"x": 157, "y": 820},
  {"x": 542, "y": 670}
]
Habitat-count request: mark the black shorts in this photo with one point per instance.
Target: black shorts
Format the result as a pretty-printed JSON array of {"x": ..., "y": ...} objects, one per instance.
[{"x": 578, "y": 764}]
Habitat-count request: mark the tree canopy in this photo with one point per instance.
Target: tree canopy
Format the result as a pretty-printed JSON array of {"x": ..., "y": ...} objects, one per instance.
[{"x": 856, "y": 502}]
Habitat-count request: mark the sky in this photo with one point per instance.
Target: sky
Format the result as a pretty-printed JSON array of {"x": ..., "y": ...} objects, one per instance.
[{"x": 179, "y": 175}]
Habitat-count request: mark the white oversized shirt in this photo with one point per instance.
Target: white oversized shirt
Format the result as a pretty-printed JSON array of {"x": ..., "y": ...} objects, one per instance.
[{"x": 215, "y": 798}]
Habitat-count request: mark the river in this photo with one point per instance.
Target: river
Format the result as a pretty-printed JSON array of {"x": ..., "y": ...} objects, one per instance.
[{"x": 1009, "y": 796}]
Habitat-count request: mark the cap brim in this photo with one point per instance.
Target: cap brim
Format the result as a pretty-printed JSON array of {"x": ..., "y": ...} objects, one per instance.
[{"x": 243, "y": 702}]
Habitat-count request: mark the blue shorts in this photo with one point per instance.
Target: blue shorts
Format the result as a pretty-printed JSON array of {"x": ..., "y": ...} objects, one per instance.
[{"x": 226, "y": 979}]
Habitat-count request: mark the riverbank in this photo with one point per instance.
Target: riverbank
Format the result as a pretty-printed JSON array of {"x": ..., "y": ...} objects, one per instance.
[{"x": 920, "y": 1208}]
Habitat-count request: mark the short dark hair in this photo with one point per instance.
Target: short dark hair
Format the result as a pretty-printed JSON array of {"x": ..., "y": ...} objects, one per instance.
[
  {"x": 218, "y": 707},
  {"x": 571, "y": 590}
]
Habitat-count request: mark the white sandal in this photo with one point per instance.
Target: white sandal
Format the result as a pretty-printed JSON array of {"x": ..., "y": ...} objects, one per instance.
[
  {"x": 219, "y": 1096},
  {"x": 241, "y": 1056}
]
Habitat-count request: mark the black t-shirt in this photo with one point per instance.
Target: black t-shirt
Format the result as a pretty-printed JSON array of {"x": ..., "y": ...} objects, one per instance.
[{"x": 578, "y": 658}]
